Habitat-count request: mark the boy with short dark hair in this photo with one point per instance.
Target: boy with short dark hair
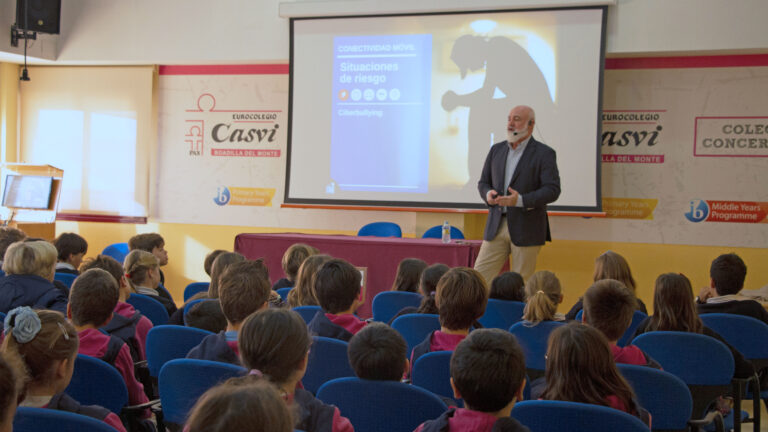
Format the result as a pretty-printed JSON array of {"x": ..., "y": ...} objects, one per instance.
[
  {"x": 378, "y": 352},
  {"x": 488, "y": 372},
  {"x": 9, "y": 236},
  {"x": 608, "y": 307},
  {"x": 71, "y": 249},
  {"x": 727, "y": 273},
  {"x": 243, "y": 290},
  {"x": 337, "y": 287},
  {"x": 127, "y": 323},
  {"x": 92, "y": 299},
  {"x": 461, "y": 298}
]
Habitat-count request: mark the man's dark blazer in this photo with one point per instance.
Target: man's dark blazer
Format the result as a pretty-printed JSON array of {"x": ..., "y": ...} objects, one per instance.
[{"x": 536, "y": 179}]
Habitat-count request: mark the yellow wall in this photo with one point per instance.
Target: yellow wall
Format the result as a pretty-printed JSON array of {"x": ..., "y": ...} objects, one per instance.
[
  {"x": 9, "y": 91},
  {"x": 572, "y": 261}
]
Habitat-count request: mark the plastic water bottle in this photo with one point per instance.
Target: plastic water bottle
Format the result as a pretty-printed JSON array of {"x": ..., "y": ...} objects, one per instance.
[{"x": 446, "y": 232}]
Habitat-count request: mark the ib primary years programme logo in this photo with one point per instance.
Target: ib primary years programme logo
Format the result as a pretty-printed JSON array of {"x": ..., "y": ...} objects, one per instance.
[{"x": 244, "y": 196}]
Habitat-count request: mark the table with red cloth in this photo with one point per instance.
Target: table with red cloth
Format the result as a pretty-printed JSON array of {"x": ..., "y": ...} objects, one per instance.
[{"x": 379, "y": 255}]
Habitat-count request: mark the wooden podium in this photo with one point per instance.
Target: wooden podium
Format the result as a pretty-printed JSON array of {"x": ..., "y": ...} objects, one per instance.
[{"x": 33, "y": 217}]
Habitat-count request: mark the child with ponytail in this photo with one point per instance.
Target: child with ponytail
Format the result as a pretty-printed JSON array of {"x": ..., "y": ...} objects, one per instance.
[
  {"x": 45, "y": 343},
  {"x": 274, "y": 344},
  {"x": 543, "y": 294},
  {"x": 143, "y": 272}
]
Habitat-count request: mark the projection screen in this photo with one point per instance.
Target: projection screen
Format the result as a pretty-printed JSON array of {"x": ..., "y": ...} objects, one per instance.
[{"x": 400, "y": 110}]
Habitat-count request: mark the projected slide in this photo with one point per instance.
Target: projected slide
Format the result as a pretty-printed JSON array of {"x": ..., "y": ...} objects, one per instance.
[
  {"x": 402, "y": 110},
  {"x": 381, "y": 87}
]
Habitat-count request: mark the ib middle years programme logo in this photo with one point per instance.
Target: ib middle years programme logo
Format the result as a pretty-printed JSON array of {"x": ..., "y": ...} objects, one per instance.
[{"x": 698, "y": 211}]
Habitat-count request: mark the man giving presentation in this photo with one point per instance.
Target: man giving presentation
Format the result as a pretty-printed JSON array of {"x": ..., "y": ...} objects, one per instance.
[{"x": 518, "y": 180}]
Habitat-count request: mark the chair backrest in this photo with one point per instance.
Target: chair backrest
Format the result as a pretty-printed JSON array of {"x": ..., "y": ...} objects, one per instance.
[
  {"x": 664, "y": 395},
  {"x": 381, "y": 229},
  {"x": 65, "y": 278},
  {"x": 29, "y": 419},
  {"x": 96, "y": 382},
  {"x": 695, "y": 358},
  {"x": 637, "y": 318},
  {"x": 150, "y": 308},
  {"x": 704, "y": 363},
  {"x": 546, "y": 416},
  {"x": 502, "y": 314},
  {"x": 748, "y": 335},
  {"x": 432, "y": 371},
  {"x": 169, "y": 342},
  {"x": 117, "y": 251},
  {"x": 327, "y": 360},
  {"x": 381, "y": 406},
  {"x": 307, "y": 312},
  {"x": 437, "y": 232},
  {"x": 194, "y": 288},
  {"x": 414, "y": 328},
  {"x": 182, "y": 381},
  {"x": 387, "y": 304},
  {"x": 533, "y": 339},
  {"x": 284, "y": 292},
  {"x": 626, "y": 338}
]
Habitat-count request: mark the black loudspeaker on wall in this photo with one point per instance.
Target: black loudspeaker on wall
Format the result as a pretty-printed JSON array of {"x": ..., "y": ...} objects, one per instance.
[{"x": 43, "y": 15}]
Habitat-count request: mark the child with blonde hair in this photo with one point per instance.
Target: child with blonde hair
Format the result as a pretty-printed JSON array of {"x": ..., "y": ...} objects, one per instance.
[
  {"x": 543, "y": 294},
  {"x": 142, "y": 269}
]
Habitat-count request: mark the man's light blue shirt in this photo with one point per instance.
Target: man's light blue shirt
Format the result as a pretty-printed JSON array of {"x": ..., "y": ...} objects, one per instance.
[{"x": 513, "y": 157}]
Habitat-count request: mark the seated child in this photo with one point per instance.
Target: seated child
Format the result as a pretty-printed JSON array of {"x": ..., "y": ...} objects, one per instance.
[
  {"x": 45, "y": 345},
  {"x": 488, "y": 372},
  {"x": 427, "y": 287},
  {"x": 218, "y": 267},
  {"x": 610, "y": 265},
  {"x": 508, "y": 286},
  {"x": 675, "y": 310},
  {"x": 543, "y": 294},
  {"x": 208, "y": 262},
  {"x": 608, "y": 307},
  {"x": 92, "y": 300},
  {"x": 292, "y": 259},
  {"x": 127, "y": 323},
  {"x": 274, "y": 344},
  {"x": 9, "y": 236},
  {"x": 71, "y": 249},
  {"x": 408, "y": 275},
  {"x": 337, "y": 288},
  {"x": 207, "y": 315},
  {"x": 142, "y": 269},
  {"x": 154, "y": 244},
  {"x": 243, "y": 290},
  {"x": 461, "y": 299},
  {"x": 378, "y": 352},
  {"x": 726, "y": 276},
  {"x": 241, "y": 404},
  {"x": 303, "y": 293},
  {"x": 580, "y": 368},
  {"x": 28, "y": 281}
]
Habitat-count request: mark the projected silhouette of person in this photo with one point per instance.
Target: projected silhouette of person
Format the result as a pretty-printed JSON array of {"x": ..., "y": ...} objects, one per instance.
[{"x": 511, "y": 78}]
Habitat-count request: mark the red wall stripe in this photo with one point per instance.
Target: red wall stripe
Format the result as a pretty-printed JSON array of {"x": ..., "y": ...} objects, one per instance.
[
  {"x": 256, "y": 69},
  {"x": 684, "y": 62}
]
